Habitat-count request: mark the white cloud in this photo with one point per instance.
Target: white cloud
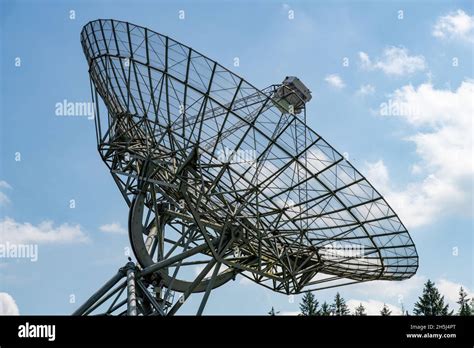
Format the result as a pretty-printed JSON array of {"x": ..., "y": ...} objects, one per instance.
[
  {"x": 335, "y": 81},
  {"x": 364, "y": 59},
  {"x": 377, "y": 173},
  {"x": 24, "y": 232},
  {"x": 441, "y": 130},
  {"x": 393, "y": 291},
  {"x": 285, "y": 7},
  {"x": 395, "y": 61},
  {"x": 366, "y": 89},
  {"x": 4, "y": 200},
  {"x": 373, "y": 307},
  {"x": 8, "y": 305},
  {"x": 450, "y": 290},
  {"x": 4, "y": 184},
  {"x": 113, "y": 228},
  {"x": 396, "y": 293},
  {"x": 455, "y": 25}
]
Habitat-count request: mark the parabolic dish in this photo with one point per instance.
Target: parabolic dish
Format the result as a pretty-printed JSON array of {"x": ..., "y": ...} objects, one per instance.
[{"x": 187, "y": 139}]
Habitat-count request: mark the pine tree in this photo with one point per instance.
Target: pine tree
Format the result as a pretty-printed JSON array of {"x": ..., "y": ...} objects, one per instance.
[
  {"x": 431, "y": 302},
  {"x": 340, "y": 306},
  {"x": 272, "y": 312},
  {"x": 385, "y": 311},
  {"x": 464, "y": 307},
  {"x": 360, "y": 310},
  {"x": 309, "y": 305},
  {"x": 325, "y": 309},
  {"x": 404, "y": 311}
]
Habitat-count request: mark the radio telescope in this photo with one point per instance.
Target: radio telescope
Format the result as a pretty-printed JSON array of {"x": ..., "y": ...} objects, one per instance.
[{"x": 223, "y": 179}]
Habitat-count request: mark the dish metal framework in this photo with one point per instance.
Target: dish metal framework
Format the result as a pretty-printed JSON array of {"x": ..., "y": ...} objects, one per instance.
[{"x": 223, "y": 179}]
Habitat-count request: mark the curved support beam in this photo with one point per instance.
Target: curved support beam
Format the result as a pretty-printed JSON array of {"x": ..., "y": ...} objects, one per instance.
[{"x": 140, "y": 250}]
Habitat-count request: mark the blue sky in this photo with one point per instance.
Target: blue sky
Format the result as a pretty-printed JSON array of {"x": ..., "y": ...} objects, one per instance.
[{"x": 419, "y": 55}]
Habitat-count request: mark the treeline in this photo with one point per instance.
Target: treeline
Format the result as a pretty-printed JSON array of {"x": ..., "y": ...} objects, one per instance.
[{"x": 431, "y": 302}]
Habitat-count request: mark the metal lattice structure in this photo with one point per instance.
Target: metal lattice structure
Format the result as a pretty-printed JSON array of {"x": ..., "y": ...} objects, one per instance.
[{"x": 224, "y": 179}]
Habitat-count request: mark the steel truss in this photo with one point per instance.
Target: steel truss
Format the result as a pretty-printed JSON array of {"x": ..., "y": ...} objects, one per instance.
[{"x": 172, "y": 125}]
